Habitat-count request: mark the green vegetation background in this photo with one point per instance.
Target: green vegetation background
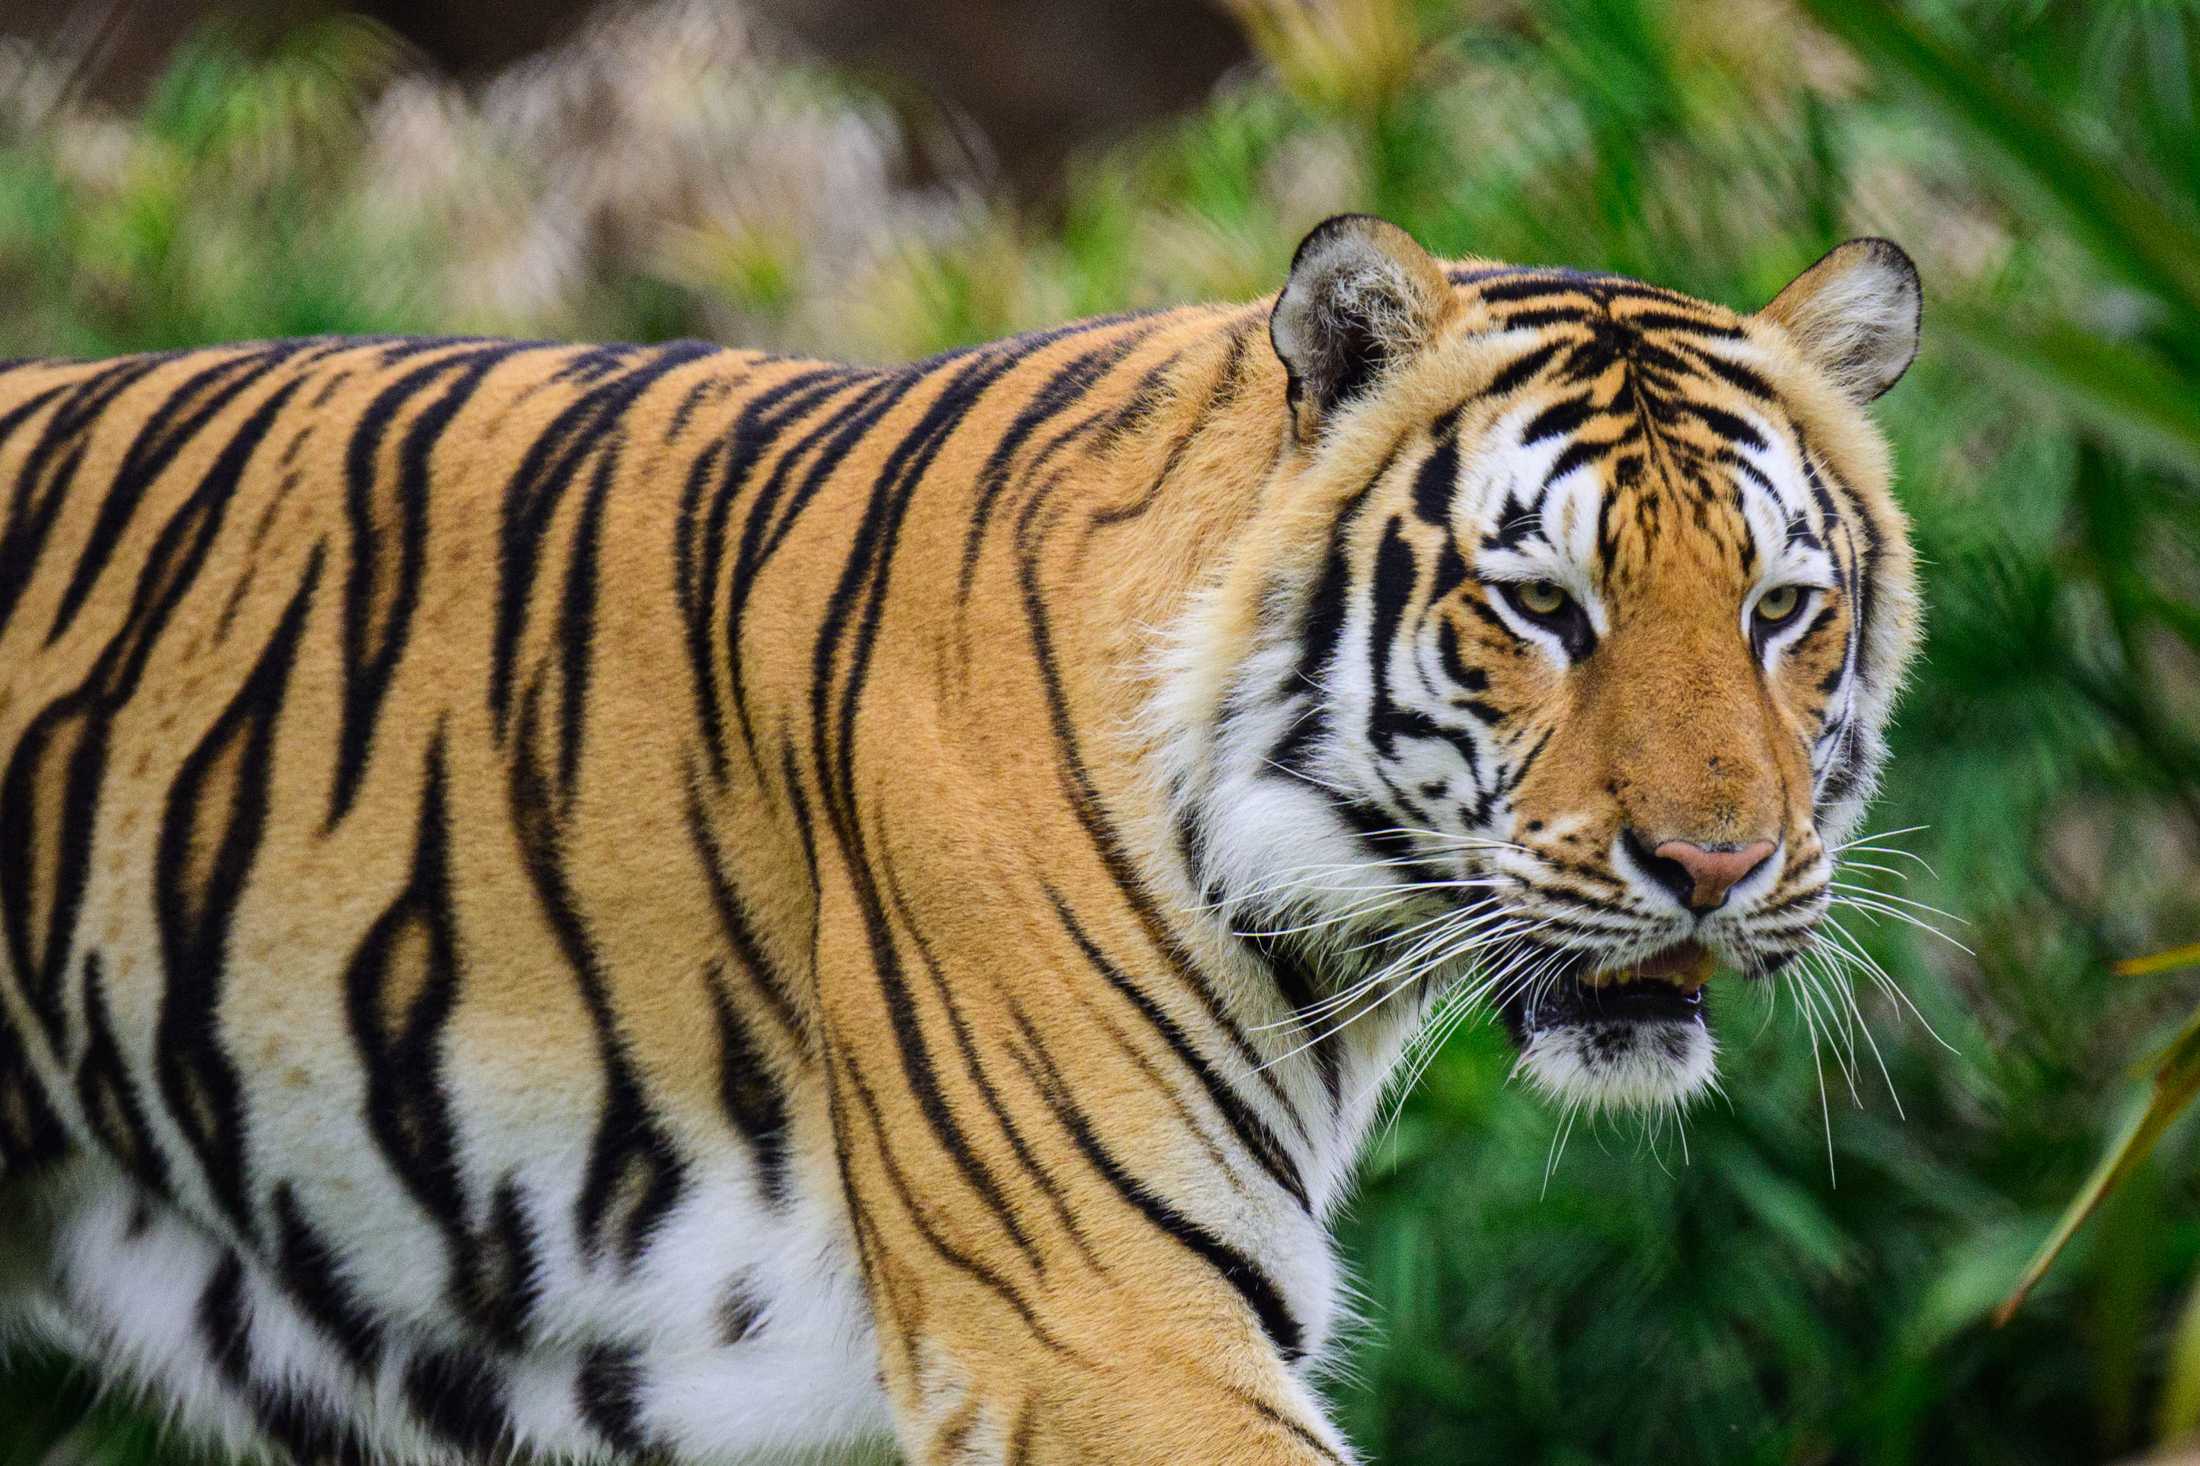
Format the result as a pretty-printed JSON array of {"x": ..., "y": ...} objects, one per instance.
[{"x": 1789, "y": 1285}]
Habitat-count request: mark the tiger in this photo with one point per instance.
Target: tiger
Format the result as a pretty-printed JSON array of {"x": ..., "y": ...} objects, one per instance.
[{"x": 664, "y": 903}]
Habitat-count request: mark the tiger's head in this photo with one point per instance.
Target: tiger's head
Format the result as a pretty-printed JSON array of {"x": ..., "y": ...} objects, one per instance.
[{"x": 1561, "y": 665}]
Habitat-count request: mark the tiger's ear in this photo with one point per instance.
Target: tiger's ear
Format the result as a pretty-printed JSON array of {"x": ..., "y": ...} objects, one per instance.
[
  {"x": 1362, "y": 297},
  {"x": 1855, "y": 315}
]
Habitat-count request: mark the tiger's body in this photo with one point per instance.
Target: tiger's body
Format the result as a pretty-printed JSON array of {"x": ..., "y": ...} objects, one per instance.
[{"x": 677, "y": 903}]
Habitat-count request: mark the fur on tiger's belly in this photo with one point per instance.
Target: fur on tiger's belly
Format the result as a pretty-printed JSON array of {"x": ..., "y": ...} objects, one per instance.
[{"x": 665, "y": 903}]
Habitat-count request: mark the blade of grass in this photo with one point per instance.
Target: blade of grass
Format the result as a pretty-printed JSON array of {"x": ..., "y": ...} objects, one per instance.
[
  {"x": 2176, "y": 1082},
  {"x": 2169, "y": 961}
]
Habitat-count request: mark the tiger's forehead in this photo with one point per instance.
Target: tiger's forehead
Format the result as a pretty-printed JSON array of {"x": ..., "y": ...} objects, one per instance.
[{"x": 1633, "y": 430}]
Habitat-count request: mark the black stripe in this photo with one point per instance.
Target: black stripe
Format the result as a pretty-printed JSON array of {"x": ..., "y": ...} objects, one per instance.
[
  {"x": 390, "y": 525},
  {"x": 1522, "y": 369},
  {"x": 161, "y": 436},
  {"x": 1536, "y": 320},
  {"x": 1061, "y": 391},
  {"x": 1720, "y": 421},
  {"x": 1238, "y": 1270},
  {"x": 302, "y": 1428},
  {"x": 1528, "y": 760},
  {"x": 1305, "y": 1437},
  {"x": 1252, "y": 1132},
  {"x": 1221, "y": 394},
  {"x": 1123, "y": 423},
  {"x": 607, "y": 1388},
  {"x": 1562, "y": 417},
  {"x": 584, "y": 428},
  {"x": 108, "y": 1092},
  {"x": 1533, "y": 286},
  {"x": 50, "y": 467},
  {"x": 1086, "y": 804},
  {"x": 1584, "y": 451},
  {"x": 734, "y": 922},
  {"x": 459, "y": 1398},
  {"x": 1436, "y": 483},
  {"x": 1867, "y": 572},
  {"x": 576, "y": 636},
  {"x": 408, "y": 1109},
  {"x": 310, "y": 1274},
  {"x": 1733, "y": 373},
  {"x": 1463, "y": 677},
  {"x": 31, "y": 1134},
  {"x": 740, "y": 1313},
  {"x": 631, "y": 1157},
  {"x": 749, "y": 1094},
  {"x": 1390, "y": 594},
  {"x": 1321, "y": 633},
  {"x": 701, "y": 539},
  {"x": 1686, "y": 325},
  {"x": 948, "y": 1253},
  {"x": 838, "y": 435},
  {"x": 491, "y": 1281},
  {"x": 773, "y": 518},
  {"x": 973, "y": 1066},
  {"x": 218, "y": 827},
  {"x": 1377, "y": 828},
  {"x": 30, "y": 513},
  {"x": 1300, "y": 988}
]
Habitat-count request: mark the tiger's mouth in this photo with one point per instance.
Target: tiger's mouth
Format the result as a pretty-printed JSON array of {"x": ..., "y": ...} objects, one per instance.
[
  {"x": 1665, "y": 987},
  {"x": 1621, "y": 1037}
]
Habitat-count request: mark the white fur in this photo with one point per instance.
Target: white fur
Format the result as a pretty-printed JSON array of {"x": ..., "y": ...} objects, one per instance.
[
  {"x": 1566, "y": 1065},
  {"x": 124, "y": 1286}
]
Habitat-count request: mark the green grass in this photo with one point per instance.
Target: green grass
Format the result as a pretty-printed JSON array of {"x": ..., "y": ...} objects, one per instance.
[{"x": 1760, "y": 1300}]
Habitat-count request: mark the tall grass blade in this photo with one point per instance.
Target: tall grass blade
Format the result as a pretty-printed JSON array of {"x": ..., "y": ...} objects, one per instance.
[{"x": 2176, "y": 1082}]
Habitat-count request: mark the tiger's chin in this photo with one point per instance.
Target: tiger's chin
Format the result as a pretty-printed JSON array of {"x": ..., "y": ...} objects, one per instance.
[{"x": 1631, "y": 1039}]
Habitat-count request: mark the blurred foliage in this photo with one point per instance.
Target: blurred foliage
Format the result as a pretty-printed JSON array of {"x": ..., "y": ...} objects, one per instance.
[{"x": 1786, "y": 1288}]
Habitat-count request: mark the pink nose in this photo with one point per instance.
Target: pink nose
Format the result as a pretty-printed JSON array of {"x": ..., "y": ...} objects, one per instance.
[{"x": 1707, "y": 872}]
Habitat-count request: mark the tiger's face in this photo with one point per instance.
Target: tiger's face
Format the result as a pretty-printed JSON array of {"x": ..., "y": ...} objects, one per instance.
[{"x": 1591, "y": 680}]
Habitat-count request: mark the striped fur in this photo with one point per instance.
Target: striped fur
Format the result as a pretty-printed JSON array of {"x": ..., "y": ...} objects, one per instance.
[{"x": 682, "y": 904}]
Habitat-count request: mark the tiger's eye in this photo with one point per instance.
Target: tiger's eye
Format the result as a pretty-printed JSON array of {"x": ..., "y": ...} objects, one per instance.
[
  {"x": 1779, "y": 603},
  {"x": 1540, "y": 598}
]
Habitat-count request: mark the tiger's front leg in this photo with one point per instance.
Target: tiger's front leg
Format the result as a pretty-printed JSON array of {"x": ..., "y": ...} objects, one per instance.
[{"x": 1082, "y": 1242}]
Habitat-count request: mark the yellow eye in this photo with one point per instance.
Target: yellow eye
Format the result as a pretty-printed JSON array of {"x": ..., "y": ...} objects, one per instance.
[
  {"x": 1779, "y": 603},
  {"x": 1540, "y": 597}
]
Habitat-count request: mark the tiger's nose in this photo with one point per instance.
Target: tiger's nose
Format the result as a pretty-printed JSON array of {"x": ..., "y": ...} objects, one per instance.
[{"x": 1699, "y": 876}]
